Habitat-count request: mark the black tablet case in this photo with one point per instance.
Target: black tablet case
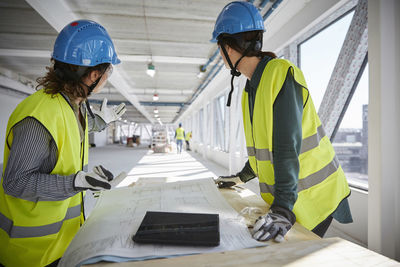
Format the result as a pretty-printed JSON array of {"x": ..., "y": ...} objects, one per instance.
[{"x": 175, "y": 228}]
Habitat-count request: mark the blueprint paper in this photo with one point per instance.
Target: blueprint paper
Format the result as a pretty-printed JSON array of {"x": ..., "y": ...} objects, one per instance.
[{"x": 107, "y": 234}]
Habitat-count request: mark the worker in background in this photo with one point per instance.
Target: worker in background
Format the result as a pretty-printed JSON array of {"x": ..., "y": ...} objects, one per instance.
[
  {"x": 46, "y": 153},
  {"x": 299, "y": 174},
  {"x": 187, "y": 140},
  {"x": 179, "y": 136}
]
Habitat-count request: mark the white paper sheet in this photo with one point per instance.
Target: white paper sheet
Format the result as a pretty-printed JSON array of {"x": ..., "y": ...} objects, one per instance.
[{"x": 119, "y": 212}]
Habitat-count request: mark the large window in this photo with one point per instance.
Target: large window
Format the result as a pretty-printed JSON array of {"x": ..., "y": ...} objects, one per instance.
[
  {"x": 319, "y": 54},
  {"x": 351, "y": 139},
  {"x": 226, "y": 122},
  {"x": 209, "y": 119},
  {"x": 201, "y": 125},
  {"x": 219, "y": 123}
]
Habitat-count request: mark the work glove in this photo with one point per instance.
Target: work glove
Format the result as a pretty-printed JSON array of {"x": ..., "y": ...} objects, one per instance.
[
  {"x": 275, "y": 224},
  {"x": 110, "y": 114},
  {"x": 103, "y": 172},
  {"x": 228, "y": 181},
  {"x": 97, "y": 180}
]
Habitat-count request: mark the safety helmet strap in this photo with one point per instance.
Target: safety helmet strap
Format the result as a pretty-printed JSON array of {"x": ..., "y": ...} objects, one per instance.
[{"x": 234, "y": 71}]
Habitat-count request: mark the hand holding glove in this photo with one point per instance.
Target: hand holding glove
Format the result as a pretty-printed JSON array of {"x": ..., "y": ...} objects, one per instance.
[
  {"x": 275, "y": 224},
  {"x": 110, "y": 114},
  {"x": 97, "y": 180},
  {"x": 228, "y": 181}
]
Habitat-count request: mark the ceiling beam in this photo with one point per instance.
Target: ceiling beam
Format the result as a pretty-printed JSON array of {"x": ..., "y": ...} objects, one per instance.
[
  {"x": 117, "y": 41},
  {"x": 161, "y": 91},
  {"x": 7, "y": 83},
  {"x": 25, "y": 53},
  {"x": 58, "y": 14},
  {"x": 163, "y": 59},
  {"x": 177, "y": 104},
  {"x": 124, "y": 58}
]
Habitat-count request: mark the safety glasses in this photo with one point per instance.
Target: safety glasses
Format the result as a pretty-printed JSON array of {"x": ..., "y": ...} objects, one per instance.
[{"x": 109, "y": 71}]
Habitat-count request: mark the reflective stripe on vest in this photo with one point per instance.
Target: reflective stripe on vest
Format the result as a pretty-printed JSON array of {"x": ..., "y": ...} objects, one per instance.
[
  {"x": 312, "y": 141},
  {"x": 307, "y": 144},
  {"x": 309, "y": 181},
  {"x": 260, "y": 154},
  {"x": 36, "y": 231}
]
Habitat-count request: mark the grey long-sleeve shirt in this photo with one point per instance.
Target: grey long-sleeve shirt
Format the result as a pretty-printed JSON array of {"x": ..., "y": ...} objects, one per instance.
[{"x": 33, "y": 155}]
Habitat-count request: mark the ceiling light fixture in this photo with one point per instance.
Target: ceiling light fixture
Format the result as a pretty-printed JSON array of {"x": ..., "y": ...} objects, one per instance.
[
  {"x": 201, "y": 72},
  {"x": 200, "y": 75},
  {"x": 155, "y": 97},
  {"x": 156, "y": 110},
  {"x": 151, "y": 70}
]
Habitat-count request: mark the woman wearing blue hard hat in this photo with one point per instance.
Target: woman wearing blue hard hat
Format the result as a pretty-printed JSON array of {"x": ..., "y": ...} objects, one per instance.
[
  {"x": 46, "y": 153},
  {"x": 299, "y": 174}
]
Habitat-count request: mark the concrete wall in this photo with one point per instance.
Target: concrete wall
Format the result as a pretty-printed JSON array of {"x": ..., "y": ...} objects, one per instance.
[
  {"x": 8, "y": 102},
  {"x": 100, "y": 138},
  {"x": 384, "y": 127},
  {"x": 357, "y": 231}
]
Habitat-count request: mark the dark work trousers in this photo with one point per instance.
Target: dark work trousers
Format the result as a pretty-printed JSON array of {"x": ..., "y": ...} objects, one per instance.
[
  {"x": 321, "y": 228},
  {"x": 54, "y": 263},
  {"x": 187, "y": 145}
]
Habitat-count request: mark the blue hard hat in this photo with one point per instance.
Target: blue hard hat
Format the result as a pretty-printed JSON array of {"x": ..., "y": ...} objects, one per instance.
[
  {"x": 237, "y": 17},
  {"x": 84, "y": 43}
]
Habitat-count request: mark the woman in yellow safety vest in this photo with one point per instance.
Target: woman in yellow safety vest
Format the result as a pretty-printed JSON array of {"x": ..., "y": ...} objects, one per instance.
[
  {"x": 299, "y": 174},
  {"x": 46, "y": 153}
]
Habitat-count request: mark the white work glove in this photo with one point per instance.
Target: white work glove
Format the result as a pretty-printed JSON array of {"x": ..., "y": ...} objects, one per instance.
[
  {"x": 97, "y": 180},
  {"x": 275, "y": 224},
  {"x": 228, "y": 181},
  {"x": 110, "y": 114},
  {"x": 103, "y": 172}
]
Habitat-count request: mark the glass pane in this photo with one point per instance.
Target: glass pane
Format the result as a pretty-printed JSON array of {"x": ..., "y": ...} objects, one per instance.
[
  {"x": 208, "y": 122},
  {"x": 219, "y": 123},
  {"x": 216, "y": 121},
  {"x": 351, "y": 140},
  {"x": 227, "y": 128},
  {"x": 201, "y": 125},
  {"x": 319, "y": 54}
]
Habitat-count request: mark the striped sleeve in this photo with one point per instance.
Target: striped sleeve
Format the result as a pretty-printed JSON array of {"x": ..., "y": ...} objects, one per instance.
[
  {"x": 32, "y": 157},
  {"x": 96, "y": 124}
]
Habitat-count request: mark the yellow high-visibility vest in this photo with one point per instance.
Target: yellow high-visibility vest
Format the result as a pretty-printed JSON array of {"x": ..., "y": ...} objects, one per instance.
[
  {"x": 36, "y": 233},
  {"x": 180, "y": 134},
  {"x": 188, "y": 136},
  {"x": 322, "y": 184}
]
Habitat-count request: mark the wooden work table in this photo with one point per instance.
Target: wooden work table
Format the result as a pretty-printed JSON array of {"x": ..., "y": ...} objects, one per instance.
[{"x": 301, "y": 248}]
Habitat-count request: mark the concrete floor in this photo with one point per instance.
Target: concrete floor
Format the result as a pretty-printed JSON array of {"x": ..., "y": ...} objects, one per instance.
[{"x": 141, "y": 163}]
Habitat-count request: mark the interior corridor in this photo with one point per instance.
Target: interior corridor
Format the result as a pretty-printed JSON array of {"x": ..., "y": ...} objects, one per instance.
[{"x": 141, "y": 162}]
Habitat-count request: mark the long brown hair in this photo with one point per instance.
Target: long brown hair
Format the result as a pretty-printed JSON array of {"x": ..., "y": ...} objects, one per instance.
[
  {"x": 64, "y": 78},
  {"x": 233, "y": 41}
]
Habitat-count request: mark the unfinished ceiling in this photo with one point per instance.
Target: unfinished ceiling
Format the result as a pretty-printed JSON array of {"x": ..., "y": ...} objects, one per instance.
[{"x": 173, "y": 35}]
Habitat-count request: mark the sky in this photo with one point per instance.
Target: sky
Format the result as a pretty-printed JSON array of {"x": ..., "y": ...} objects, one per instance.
[{"x": 318, "y": 56}]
